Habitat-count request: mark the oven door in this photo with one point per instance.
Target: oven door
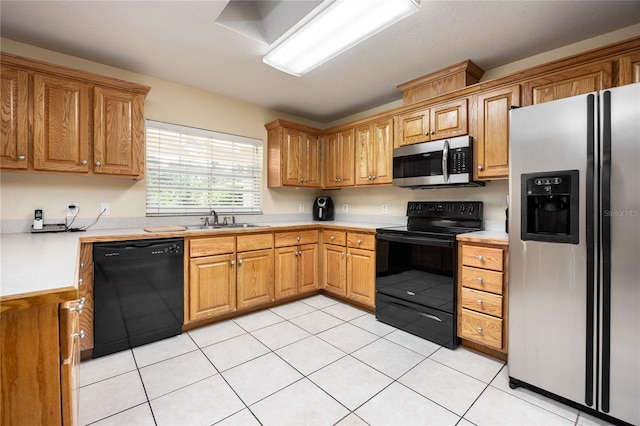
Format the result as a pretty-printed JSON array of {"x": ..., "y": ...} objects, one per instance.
[{"x": 416, "y": 284}]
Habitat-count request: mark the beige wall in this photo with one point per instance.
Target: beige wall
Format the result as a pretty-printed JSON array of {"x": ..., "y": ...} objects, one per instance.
[{"x": 21, "y": 193}]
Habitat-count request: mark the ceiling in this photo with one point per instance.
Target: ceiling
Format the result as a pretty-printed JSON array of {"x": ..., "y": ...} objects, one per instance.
[{"x": 180, "y": 41}]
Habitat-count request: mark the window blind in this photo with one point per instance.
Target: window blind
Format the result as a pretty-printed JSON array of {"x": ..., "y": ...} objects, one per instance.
[{"x": 190, "y": 171}]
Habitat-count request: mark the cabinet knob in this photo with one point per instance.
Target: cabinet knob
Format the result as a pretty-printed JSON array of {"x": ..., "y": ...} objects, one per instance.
[
  {"x": 80, "y": 335},
  {"x": 342, "y": 254},
  {"x": 433, "y": 132},
  {"x": 21, "y": 157},
  {"x": 480, "y": 258},
  {"x": 359, "y": 242},
  {"x": 339, "y": 180},
  {"x": 98, "y": 163},
  {"x": 479, "y": 330},
  {"x": 84, "y": 162},
  {"x": 298, "y": 238},
  {"x": 80, "y": 281},
  {"x": 479, "y": 302},
  {"x": 233, "y": 262},
  {"x": 480, "y": 167},
  {"x": 479, "y": 279},
  {"x": 239, "y": 261},
  {"x": 333, "y": 237},
  {"x": 348, "y": 254},
  {"x": 374, "y": 177}
]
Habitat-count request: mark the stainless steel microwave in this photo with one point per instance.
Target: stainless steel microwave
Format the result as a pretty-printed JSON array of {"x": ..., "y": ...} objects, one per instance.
[{"x": 442, "y": 163}]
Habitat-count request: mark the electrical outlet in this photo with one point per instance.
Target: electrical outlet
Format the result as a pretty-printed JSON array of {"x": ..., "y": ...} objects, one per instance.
[
  {"x": 301, "y": 208},
  {"x": 72, "y": 209},
  {"x": 345, "y": 208},
  {"x": 105, "y": 208},
  {"x": 383, "y": 209}
]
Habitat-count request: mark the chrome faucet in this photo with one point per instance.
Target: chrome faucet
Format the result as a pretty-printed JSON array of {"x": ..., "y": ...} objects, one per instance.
[{"x": 215, "y": 216}]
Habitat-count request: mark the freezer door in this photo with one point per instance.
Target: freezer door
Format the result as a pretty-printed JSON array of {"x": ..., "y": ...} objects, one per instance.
[
  {"x": 548, "y": 280},
  {"x": 621, "y": 251}
]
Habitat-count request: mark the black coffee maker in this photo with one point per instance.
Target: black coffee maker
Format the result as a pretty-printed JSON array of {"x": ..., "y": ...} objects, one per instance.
[{"x": 323, "y": 209}]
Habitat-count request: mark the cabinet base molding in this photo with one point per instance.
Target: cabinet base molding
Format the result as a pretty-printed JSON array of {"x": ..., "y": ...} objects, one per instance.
[{"x": 483, "y": 349}]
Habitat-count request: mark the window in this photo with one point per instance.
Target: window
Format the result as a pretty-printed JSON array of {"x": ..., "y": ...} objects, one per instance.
[{"x": 191, "y": 171}]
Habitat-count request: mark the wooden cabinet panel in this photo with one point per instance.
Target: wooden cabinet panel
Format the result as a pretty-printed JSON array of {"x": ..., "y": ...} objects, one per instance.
[
  {"x": 361, "y": 273},
  {"x": 211, "y": 246},
  {"x": 70, "y": 337},
  {"x": 286, "y": 274},
  {"x": 482, "y": 279},
  {"x": 308, "y": 268},
  {"x": 481, "y": 301},
  {"x": 311, "y": 161},
  {"x": 85, "y": 289},
  {"x": 254, "y": 242},
  {"x": 362, "y": 241},
  {"x": 448, "y": 120},
  {"x": 339, "y": 164},
  {"x": 374, "y": 153},
  {"x": 60, "y": 124},
  {"x": 291, "y": 238},
  {"x": 212, "y": 285},
  {"x": 573, "y": 82},
  {"x": 629, "y": 69},
  {"x": 292, "y": 157},
  {"x": 334, "y": 237},
  {"x": 492, "y": 139},
  {"x": 118, "y": 132},
  {"x": 14, "y": 116},
  {"x": 482, "y": 257},
  {"x": 414, "y": 127},
  {"x": 255, "y": 281},
  {"x": 481, "y": 328},
  {"x": 334, "y": 269}
]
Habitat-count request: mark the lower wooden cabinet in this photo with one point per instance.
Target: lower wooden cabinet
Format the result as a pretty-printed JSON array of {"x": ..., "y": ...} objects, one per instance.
[
  {"x": 212, "y": 286},
  {"x": 483, "y": 294},
  {"x": 361, "y": 275},
  {"x": 296, "y": 269},
  {"x": 254, "y": 284}
]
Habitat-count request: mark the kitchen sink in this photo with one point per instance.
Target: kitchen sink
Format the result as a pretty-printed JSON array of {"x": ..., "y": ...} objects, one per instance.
[{"x": 230, "y": 226}]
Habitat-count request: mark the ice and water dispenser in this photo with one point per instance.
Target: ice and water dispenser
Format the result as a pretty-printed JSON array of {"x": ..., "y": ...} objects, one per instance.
[{"x": 550, "y": 204}]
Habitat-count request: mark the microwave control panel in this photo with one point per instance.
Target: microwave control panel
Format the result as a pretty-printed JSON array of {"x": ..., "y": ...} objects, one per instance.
[{"x": 460, "y": 160}]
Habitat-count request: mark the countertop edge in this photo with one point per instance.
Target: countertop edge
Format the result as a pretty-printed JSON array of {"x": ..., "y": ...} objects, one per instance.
[{"x": 485, "y": 237}]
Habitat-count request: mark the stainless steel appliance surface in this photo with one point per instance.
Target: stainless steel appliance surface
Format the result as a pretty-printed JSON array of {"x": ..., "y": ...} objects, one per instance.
[
  {"x": 574, "y": 251},
  {"x": 416, "y": 268},
  {"x": 442, "y": 163},
  {"x": 138, "y": 293}
]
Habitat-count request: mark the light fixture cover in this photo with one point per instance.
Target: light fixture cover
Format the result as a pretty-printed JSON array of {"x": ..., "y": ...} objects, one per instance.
[{"x": 338, "y": 27}]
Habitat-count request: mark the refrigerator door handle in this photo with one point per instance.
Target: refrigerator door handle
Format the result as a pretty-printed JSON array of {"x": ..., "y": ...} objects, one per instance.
[
  {"x": 590, "y": 241},
  {"x": 606, "y": 251}
]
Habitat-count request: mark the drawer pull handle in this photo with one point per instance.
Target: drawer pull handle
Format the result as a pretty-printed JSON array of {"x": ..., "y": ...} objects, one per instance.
[
  {"x": 410, "y": 293},
  {"x": 80, "y": 335},
  {"x": 433, "y": 317},
  {"x": 479, "y": 302},
  {"x": 479, "y": 329},
  {"x": 479, "y": 279},
  {"x": 480, "y": 258}
]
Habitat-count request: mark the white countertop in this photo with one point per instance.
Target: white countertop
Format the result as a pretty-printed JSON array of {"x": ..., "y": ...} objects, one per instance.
[{"x": 49, "y": 261}]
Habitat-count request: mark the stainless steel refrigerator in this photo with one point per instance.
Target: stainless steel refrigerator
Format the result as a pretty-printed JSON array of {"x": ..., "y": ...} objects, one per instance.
[{"x": 574, "y": 251}]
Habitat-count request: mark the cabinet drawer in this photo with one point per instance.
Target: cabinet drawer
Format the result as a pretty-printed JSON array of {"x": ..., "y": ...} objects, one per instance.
[
  {"x": 293, "y": 238},
  {"x": 363, "y": 241},
  {"x": 332, "y": 237},
  {"x": 481, "y": 328},
  {"x": 254, "y": 242},
  {"x": 482, "y": 257},
  {"x": 481, "y": 301},
  {"x": 211, "y": 246},
  {"x": 482, "y": 279}
]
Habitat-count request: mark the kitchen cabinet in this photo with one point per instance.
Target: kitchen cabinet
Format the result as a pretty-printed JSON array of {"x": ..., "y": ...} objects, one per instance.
[
  {"x": 361, "y": 267},
  {"x": 293, "y": 155},
  {"x": 39, "y": 365},
  {"x": 629, "y": 69},
  {"x": 572, "y": 82},
  {"x": 435, "y": 122},
  {"x": 374, "y": 153},
  {"x": 229, "y": 273},
  {"x": 338, "y": 159},
  {"x": 483, "y": 294},
  {"x": 492, "y": 136},
  {"x": 82, "y": 123},
  {"x": 296, "y": 259},
  {"x": 14, "y": 116},
  {"x": 85, "y": 293},
  {"x": 334, "y": 262}
]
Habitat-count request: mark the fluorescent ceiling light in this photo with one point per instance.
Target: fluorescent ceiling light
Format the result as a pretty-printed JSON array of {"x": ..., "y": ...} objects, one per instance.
[{"x": 338, "y": 27}]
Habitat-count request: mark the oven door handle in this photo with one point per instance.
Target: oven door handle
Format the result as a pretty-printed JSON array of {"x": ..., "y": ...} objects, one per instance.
[
  {"x": 431, "y": 317},
  {"x": 423, "y": 241}
]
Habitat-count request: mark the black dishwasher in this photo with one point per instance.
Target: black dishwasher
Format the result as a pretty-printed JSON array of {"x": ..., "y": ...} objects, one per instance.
[{"x": 138, "y": 293}]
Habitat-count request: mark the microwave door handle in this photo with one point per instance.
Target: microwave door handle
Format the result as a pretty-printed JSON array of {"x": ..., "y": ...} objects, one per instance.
[{"x": 445, "y": 161}]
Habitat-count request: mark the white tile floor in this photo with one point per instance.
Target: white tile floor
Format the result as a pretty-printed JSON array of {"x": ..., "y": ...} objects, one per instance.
[{"x": 311, "y": 362}]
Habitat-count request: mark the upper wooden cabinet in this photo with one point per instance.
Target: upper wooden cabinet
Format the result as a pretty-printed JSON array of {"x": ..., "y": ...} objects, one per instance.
[
  {"x": 14, "y": 118},
  {"x": 374, "y": 153},
  {"x": 82, "y": 123},
  {"x": 293, "y": 155},
  {"x": 573, "y": 82},
  {"x": 492, "y": 137},
  {"x": 629, "y": 69},
  {"x": 339, "y": 165},
  {"x": 435, "y": 122}
]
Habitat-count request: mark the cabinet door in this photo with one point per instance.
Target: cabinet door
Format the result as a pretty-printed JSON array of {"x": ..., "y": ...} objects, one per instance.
[
  {"x": 14, "y": 118},
  {"x": 492, "y": 140},
  {"x": 334, "y": 269},
  {"x": 307, "y": 268},
  {"x": 577, "y": 81},
  {"x": 629, "y": 69},
  {"x": 255, "y": 278},
  {"x": 311, "y": 161},
  {"x": 332, "y": 161},
  {"x": 118, "y": 132},
  {"x": 85, "y": 289},
  {"x": 448, "y": 120},
  {"x": 365, "y": 155},
  {"x": 361, "y": 275},
  {"x": 292, "y": 157},
  {"x": 70, "y": 337},
  {"x": 212, "y": 284},
  {"x": 60, "y": 124},
  {"x": 286, "y": 271},
  {"x": 383, "y": 149},
  {"x": 414, "y": 127},
  {"x": 347, "y": 157}
]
